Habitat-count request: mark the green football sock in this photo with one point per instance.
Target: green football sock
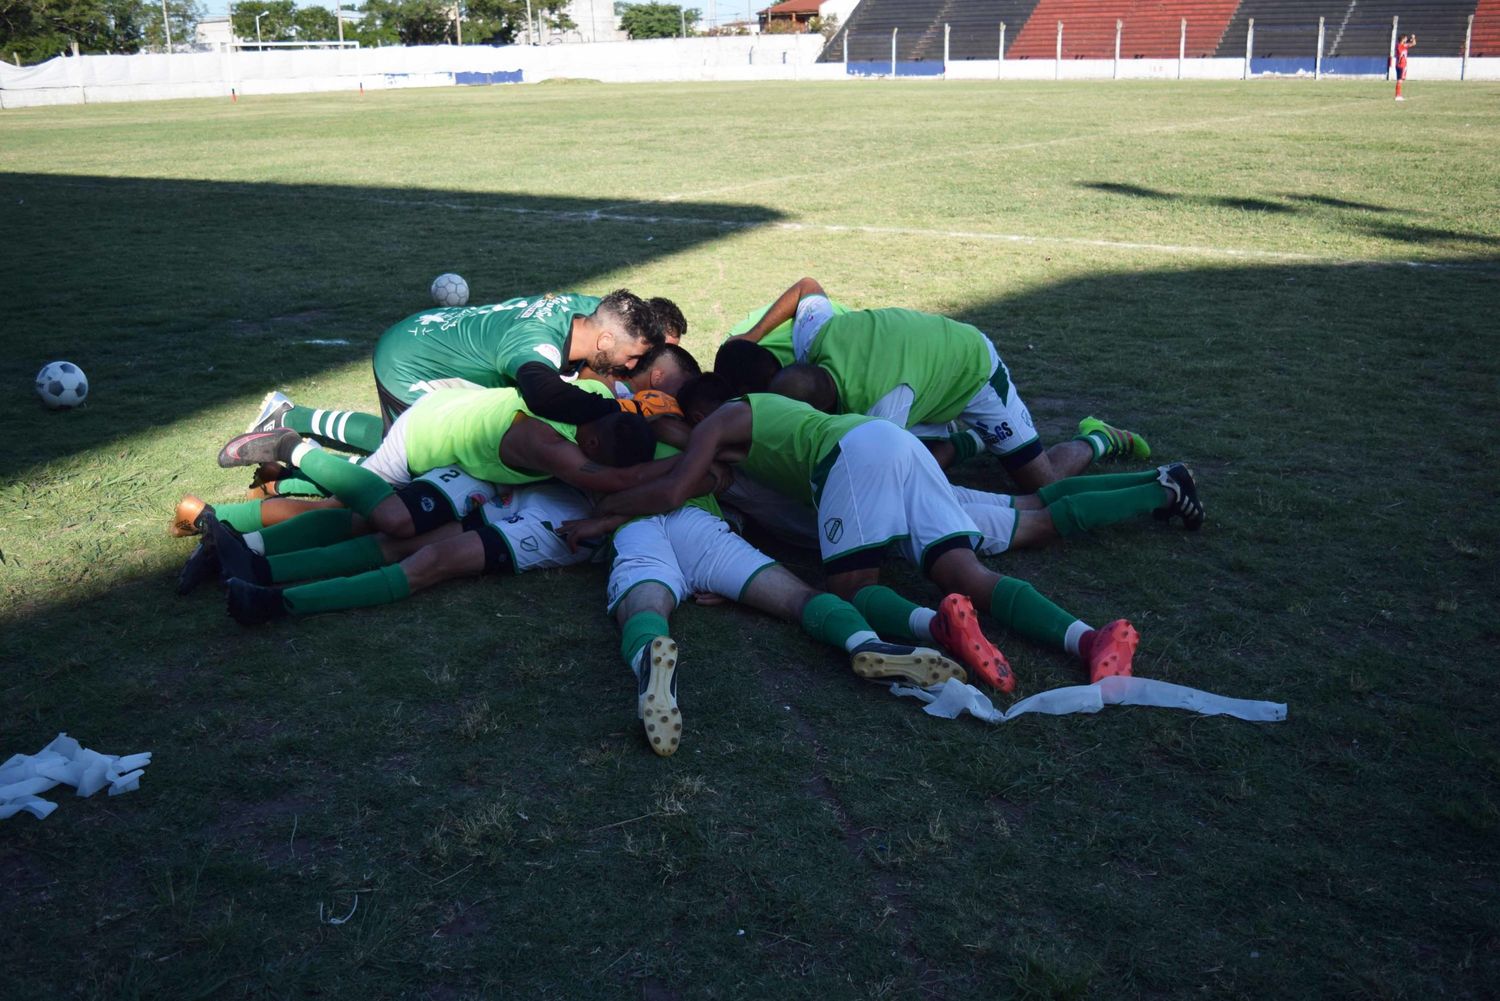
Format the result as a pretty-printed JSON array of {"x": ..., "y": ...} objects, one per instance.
[
  {"x": 244, "y": 516},
  {"x": 376, "y": 587},
  {"x": 1081, "y": 512},
  {"x": 833, "y": 620},
  {"x": 887, "y": 612},
  {"x": 309, "y": 530},
  {"x": 1021, "y": 607},
  {"x": 359, "y": 431},
  {"x": 295, "y": 485},
  {"x": 356, "y": 486},
  {"x": 341, "y": 559},
  {"x": 966, "y": 444},
  {"x": 1094, "y": 484},
  {"x": 638, "y": 630}
]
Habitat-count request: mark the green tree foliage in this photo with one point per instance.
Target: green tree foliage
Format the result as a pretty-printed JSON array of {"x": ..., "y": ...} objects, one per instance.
[
  {"x": 316, "y": 24},
  {"x": 656, "y": 20},
  {"x": 279, "y": 24},
  {"x": 407, "y": 22},
  {"x": 37, "y": 30},
  {"x": 503, "y": 22}
]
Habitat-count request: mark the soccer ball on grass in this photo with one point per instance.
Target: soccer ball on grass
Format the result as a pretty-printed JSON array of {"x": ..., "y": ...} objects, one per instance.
[
  {"x": 449, "y": 289},
  {"x": 61, "y": 385}
]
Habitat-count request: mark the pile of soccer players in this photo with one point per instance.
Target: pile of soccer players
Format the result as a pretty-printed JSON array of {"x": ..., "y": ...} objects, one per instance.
[{"x": 555, "y": 430}]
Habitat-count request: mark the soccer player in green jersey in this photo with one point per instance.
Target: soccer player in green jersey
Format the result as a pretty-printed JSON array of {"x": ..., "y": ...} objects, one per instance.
[
  {"x": 874, "y": 485},
  {"x": 529, "y": 343},
  {"x": 921, "y": 371},
  {"x": 662, "y": 559},
  {"x": 439, "y": 464}
]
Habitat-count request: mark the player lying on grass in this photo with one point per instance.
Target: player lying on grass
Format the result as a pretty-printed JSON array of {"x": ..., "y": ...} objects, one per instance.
[
  {"x": 920, "y": 371},
  {"x": 1062, "y": 510},
  {"x": 528, "y": 343},
  {"x": 661, "y": 370},
  {"x": 472, "y": 438},
  {"x": 873, "y": 485},
  {"x": 662, "y": 559}
]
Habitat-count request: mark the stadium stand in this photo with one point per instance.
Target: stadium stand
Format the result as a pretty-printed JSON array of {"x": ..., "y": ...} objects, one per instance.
[
  {"x": 1151, "y": 28},
  {"x": 975, "y": 23},
  {"x": 1486, "y": 39},
  {"x": 1357, "y": 35}
]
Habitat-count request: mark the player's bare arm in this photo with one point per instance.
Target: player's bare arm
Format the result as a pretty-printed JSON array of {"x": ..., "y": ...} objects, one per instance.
[
  {"x": 531, "y": 444},
  {"x": 784, "y": 308},
  {"x": 727, "y": 426}
]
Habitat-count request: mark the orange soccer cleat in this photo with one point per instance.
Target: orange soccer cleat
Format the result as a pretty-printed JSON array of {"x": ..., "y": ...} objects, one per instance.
[
  {"x": 1112, "y": 650},
  {"x": 956, "y": 630},
  {"x": 185, "y": 518}
]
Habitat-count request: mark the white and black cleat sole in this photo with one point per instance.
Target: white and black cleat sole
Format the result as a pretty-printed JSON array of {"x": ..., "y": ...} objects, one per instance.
[{"x": 657, "y": 705}]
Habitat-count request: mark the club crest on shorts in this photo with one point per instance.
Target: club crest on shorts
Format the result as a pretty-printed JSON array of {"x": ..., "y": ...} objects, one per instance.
[
  {"x": 530, "y": 544},
  {"x": 833, "y": 529},
  {"x": 428, "y": 505}
]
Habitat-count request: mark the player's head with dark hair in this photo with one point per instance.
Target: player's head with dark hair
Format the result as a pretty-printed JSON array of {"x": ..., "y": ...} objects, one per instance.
[
  {"x": 665, "y": 368},
  {"x": 809, "y": 383},
  {"x": 617, "y": 439},
  {"x": 702, "y": 395},
  {"x": 624, "y": 327},
  {"x": 673, "y": 324},
  {"x": 745, "y": 365}
]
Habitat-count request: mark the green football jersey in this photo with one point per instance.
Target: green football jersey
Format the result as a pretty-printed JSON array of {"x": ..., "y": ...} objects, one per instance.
[
  {"x": 485, "y": 345},
  {"x": 789, "y": 442},
  {"x": 463, "y": 428},
  {"x": 778, "y": 340},
  {"x": 872, "y": 351}
]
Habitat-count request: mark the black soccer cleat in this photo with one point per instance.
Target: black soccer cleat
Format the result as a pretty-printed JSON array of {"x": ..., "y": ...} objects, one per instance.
[
  {"x": 255, "y": 447},
  {"x": 236, "y": 558},
  {"x": 1178, "y": 479},
  {"x": 253, "y": 605},
  {"x": 202, "y": 565}
]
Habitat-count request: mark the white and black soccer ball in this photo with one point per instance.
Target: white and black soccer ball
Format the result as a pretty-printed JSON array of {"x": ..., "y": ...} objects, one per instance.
[
  {"x": 61, "y": 385},
  {"x": 449, "y": 289}
]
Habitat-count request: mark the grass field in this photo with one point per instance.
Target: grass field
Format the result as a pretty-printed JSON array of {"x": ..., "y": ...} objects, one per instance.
[{"x": 1293, "y": 286}]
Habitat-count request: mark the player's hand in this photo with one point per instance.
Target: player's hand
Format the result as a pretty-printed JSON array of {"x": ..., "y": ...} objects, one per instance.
[{"x": 589, "y": 531}]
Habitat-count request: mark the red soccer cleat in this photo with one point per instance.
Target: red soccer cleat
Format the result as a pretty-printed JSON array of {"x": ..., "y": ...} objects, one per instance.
[
  {"x": 1113, "y": 648},
  {"x": 956, "y": 629}
]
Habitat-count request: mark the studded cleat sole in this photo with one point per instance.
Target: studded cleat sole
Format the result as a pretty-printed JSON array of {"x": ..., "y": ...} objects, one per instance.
[
  {"x": 657, "y": 705},
  {"x": 1113, "y": 651},
  {"x": 920, "y": 666},
  {"x": 185, "y": 518},
  {"x": 957, "y": 631}
]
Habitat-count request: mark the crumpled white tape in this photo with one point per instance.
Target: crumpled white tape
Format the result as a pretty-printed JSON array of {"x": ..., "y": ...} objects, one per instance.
[
  {"x": 64, "y": 762},
  {"x": 954, "y": 698}
]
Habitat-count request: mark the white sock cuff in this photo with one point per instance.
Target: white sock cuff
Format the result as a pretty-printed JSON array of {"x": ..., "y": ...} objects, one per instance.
[
  {"x": 860, "y": 639},
  {"x": 1074, "y": 634},
  {"x": 920, "y": 623},
  {"x": 256, "y": 542}
]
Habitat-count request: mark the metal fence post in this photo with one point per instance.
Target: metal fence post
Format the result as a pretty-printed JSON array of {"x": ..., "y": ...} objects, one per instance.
[
  {"x": 1249, "y": 45},
  {"x": 1390, "y": 60},
  {"x": 1181, "y": 48},
  {"x": 1463, "y": 67},
  {"x": 1119, "y": 27},
  {"x": 1057, "y": 62},
  {"x": 947, "y": 31},
  {"x": 1318, "y": 62},
  {"x": 893, "y": 52},
  {"x": 1002, "y": 50}
]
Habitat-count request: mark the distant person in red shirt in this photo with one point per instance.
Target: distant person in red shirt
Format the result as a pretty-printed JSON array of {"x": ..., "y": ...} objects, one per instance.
[{"x": 1407, "y": 41}]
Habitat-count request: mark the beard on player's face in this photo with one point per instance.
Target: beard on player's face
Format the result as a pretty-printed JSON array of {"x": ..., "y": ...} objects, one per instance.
[{"x": 602, "y": 363}]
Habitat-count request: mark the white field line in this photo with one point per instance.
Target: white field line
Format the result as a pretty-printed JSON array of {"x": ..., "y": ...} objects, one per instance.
[{"x": 601, "y": 215}]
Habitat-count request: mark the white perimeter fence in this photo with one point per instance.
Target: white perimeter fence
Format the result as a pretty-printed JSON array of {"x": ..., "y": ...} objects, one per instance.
[{"x": 230, "y": 72}]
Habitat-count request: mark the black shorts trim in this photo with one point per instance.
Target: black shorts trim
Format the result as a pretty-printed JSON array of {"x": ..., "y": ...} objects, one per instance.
[
  {"x": 1013, "y": 461},
  {"x": 937, "y": 549},
  {"x": 428, "y": 506},
  {"x": 861, "y": 559}
]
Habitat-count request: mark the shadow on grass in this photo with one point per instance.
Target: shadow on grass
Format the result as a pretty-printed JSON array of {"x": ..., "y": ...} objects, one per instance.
[
  {"x": 1331, "y": 412},
  {"x": 1397, "y": 232},
  {"x": 176, "y": 295}
]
